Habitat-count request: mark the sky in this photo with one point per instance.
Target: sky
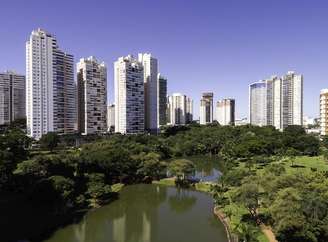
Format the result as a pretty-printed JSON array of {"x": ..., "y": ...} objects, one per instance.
[{"x": 201, "y": 45}]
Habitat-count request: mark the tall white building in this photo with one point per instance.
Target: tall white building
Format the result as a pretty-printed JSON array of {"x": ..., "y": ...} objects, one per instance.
[
  {"x": 92, "y": 96},
  {"x": 292, "y": 99},
  {"x": 324, "y": 112},
  {"x": 206, "y": 108},
  {"x": 12, "y": 97},
  {"x": 129, "y": 96},
  {"x": 150, "y": 66},
  {"x": 50, "y": 88},
  {"x": 277, "y": 101},
  {"x": 225, "y": 111},
  {"x": 258, "y": 103},
  {"x": 180, "y": 109},
  {"x": 111, "y": 117}
]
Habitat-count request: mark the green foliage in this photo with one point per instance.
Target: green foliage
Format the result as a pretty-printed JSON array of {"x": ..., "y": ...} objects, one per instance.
[
  {"x": 49, "y": 141},
  {"x": 181, "y": 168}
]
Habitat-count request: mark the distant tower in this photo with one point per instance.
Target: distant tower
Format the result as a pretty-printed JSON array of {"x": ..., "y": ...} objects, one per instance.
[
  {"x": 277, "y": 101},
  {"x": 324, "y": 112},
  {"x": 180, "y": 109},
  {"x": 225, "y": 112},
  {"x": 12, "y": 97},
  {"x": 162, "y": 99},
  {"x": 50, "y": 88},
  {"x": 206, "y": 108},
  {"x": 111, "y": 117},
  {"x": 92, "y": 96},
  {"x": 150, "y": 65},
  {"x": 129, "y": 96}
]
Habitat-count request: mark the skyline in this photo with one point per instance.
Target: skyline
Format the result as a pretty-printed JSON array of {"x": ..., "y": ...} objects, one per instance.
[{"x": 216, "y": 46}]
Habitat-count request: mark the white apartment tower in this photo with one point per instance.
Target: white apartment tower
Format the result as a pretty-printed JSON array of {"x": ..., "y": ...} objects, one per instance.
[
  {"x": 92, "y": 96},
  {"x": 12, "y": 97},
  {"x": 277, "y": 101},
  {"x": 225, "y": 112},
  {"x": 180, "y": 109},
  {"x": 150, "y": 66},
  {"x": 50, "y": 88},
  {"x": 162, "y": 100},
  {"x": 129, "y": 96},
  {"x": 324, "y": 112},
  {"x": 206, "y": 108},
  {"x": 292, "y": 99},
  {"x": 111, "y": 117},
  {"x": 258, "y": 103}
]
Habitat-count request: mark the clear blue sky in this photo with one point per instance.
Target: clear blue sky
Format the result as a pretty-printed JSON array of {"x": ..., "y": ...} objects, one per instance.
[{"x": 202, "y": 45}]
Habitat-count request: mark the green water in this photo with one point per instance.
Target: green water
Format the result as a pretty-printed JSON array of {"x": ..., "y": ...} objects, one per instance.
[{"x": 148, "y": 213}]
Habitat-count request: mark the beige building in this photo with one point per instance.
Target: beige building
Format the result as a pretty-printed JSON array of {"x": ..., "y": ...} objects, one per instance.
[
  {"x": 92, "y": 96},
  {"x": 324, "y": 112},
  {"x": 225, "y": 111}
]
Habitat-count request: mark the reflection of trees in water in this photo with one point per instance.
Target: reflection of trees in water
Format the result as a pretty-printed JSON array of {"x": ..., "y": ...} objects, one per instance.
[
  {"x": 132, "y": 218},
  {"x": 182, "y": 201}
]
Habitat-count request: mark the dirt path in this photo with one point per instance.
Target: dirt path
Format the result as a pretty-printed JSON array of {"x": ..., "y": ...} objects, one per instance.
[{"x": 268, "y": 233}]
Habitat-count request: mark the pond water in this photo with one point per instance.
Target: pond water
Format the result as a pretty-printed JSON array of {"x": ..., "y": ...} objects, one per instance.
[{"x": 149, "y": 213}]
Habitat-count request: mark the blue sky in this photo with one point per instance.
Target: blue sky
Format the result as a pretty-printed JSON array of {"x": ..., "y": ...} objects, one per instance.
[{"x": 202, "y": 45}]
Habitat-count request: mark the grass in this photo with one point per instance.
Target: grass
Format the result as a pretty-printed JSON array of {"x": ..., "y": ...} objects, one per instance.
[
  {"x": 165, "y": 181},
  {"x": 117, "y": 187}
]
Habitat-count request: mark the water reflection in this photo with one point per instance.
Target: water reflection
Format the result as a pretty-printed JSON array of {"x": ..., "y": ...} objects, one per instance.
[{"x": 148, "y": 213}]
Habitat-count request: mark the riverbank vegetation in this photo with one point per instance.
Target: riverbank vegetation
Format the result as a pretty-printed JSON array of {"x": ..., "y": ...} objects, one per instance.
[{"x": 258, "y": 161}]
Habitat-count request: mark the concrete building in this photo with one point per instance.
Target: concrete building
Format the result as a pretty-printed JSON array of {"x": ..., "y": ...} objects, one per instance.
[
  {"x": 50, "y": 88},
  {"x": 292, "y": 99},
  {"x": 277, "y": 101},
  {"x": 150, "y": 66},
  {"x": 12, "y": 97},
  {"x": 324, "y": 112},
  {"x": 225, "y": 111},
  {"x": 111, "y": 117},
  {"x": 180, "y": 109},
  {"x": 258, "y": 103},
  {"x": 162, "y": 100},
  {"x": 129, "y": 96},
  {"x": 92, "y": 96},
  {"x": 206, "y": 108}
]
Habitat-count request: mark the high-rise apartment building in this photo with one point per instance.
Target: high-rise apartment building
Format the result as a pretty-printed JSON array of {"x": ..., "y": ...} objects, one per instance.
[
  {"x": 111, "y": 117},
  {"x": 257, "y": 103},
  {"x": 150, "y": 66},
  {"x": 324, "y": 112},
  {"x": 12, "y": 97},
  {"x": 180, "y": 109},
  {"x": 206, "y": 108},
  {"x": 225, "y": 111},
  {"x": 92, "y": 96},
  {"x": 162, "y": 100},
  {"x": 129, "y": 96},
  {"x": 277, "y": 101},
  {"x": 50, "y": 88},
  {"x": 292, "y": 99}
]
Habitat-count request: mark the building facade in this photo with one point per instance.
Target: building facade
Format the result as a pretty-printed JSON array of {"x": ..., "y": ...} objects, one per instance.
[
  {"x": 277, "y": 101},
  {"x": 225, "y": 112},
  {"x": 324, "y": 112},
  {"x": 206, "y": 108},
  {"x": 150, "y": 67},
  {"x": 162, "y": 100},
  {"x": 12, "y": 97},
  {"x": 92, "y": 96},
  {"x": 50, "y": 88},
  {"x": 111, "y": 117},
  {"x": 258, "y": 103},
  {"x": 129, "y": 96},
  {"x": 180, "y": 109}
]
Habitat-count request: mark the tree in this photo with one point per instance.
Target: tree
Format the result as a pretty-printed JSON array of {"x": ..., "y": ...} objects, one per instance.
[
  {"x": 96, "y": 188},
  {"x": 151, "y": 166},
  {"x": 181, "y": 168},
  {"x": 49, "y": 141},
  {"x": 249, "y": 195}
]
